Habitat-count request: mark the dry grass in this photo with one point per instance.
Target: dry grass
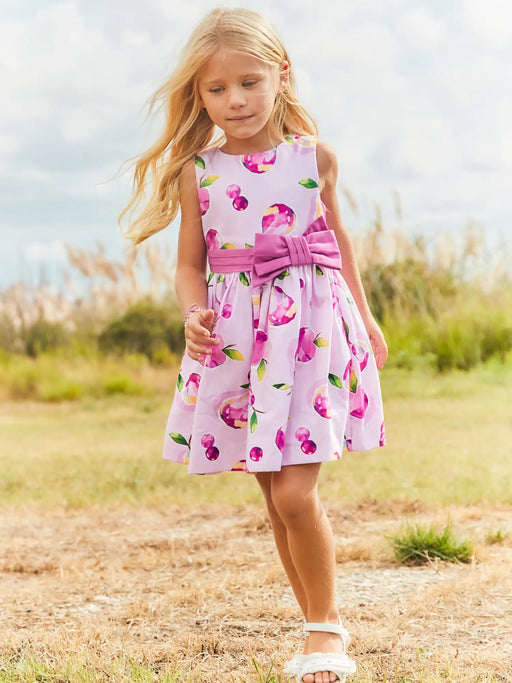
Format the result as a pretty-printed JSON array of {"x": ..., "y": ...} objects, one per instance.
[
  {"x": 201, "y": 592},
  {"x": 94, "y": 288}
]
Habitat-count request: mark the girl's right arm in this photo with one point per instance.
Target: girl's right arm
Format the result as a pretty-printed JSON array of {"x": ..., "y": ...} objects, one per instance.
[{"x": 191, "y": 285}]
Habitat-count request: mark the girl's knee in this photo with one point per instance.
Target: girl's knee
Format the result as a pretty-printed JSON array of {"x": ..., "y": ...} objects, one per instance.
[{"x": 292, "y": 504}]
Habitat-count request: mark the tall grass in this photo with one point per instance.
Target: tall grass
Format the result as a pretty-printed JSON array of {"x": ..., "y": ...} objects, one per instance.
[{"x": 441, "y": 305}]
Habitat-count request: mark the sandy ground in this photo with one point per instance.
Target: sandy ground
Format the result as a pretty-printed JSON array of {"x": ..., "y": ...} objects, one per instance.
[{"x": 204, "y": 590}]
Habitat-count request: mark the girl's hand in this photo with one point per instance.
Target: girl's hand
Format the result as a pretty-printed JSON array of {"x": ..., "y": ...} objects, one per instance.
[
  {"x": 379, "y": 346},
  {"x": 198, "y": 331}
]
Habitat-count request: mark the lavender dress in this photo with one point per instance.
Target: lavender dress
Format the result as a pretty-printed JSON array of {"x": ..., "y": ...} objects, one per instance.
[{"x": 294, "y": 379}]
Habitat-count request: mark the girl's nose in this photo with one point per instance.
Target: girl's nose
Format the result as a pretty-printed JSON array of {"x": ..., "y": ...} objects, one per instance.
[{"x": 236, "y": 97}]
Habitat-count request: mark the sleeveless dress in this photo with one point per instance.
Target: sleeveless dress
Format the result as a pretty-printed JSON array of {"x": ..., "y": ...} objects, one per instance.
[{"x": 294, "y": 379}]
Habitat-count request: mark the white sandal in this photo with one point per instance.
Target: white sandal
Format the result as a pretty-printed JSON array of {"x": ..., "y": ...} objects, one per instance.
[
  {"x": 337, "y": 663},
  {"x": 292, "y": 667}
]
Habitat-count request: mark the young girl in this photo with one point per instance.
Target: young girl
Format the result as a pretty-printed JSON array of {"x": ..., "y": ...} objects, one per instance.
[{"x": 280, "y": 370}]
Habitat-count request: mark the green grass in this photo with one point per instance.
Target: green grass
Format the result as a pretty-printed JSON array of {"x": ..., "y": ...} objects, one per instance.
[
  {"x": 462, "y": 334},
  {"x": 59, "y": 377},
  {"x": 27, "y": 669},
  {"x": 418, "y": 544},
  {"x": 123, "y": 669},
  {"x": 448, "y": 439}
]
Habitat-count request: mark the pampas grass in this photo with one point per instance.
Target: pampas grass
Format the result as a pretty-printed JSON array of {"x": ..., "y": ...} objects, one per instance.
[{"x": 441, "y": 304}]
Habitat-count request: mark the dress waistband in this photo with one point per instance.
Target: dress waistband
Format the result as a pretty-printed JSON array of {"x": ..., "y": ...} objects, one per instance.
[{"x": 272, "y": 253}]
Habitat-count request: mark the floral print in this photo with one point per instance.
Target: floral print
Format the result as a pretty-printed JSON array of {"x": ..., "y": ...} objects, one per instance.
[{"x": 294, "y": 379}]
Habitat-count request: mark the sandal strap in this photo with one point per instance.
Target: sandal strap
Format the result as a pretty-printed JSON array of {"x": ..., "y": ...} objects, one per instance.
[
  {"x": 325, "y": 628},
  {"x": 339, "y": 629}
]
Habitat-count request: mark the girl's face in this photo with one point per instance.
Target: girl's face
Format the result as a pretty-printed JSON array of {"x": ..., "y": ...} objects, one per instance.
[{"x": 238, "y": 91}]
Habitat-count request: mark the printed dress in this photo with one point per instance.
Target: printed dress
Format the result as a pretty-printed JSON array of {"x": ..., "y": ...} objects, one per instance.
[{"x": 294, "y": 379}]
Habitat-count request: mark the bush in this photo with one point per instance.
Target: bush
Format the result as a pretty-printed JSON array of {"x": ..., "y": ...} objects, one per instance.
[
  {"x": 9, "y": 337},
  {"x": 144, "y": 329},
  {"x": 43, "y": 336},
  {"x": 120, "y": 384},
  {"x": 407, "y": 287}
]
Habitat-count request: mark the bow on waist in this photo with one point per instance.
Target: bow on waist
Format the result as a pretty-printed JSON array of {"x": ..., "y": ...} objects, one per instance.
[{"x": 272, "y": 254}]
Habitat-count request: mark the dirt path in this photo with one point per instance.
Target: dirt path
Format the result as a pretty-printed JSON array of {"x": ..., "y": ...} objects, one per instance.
[{"x": 204, "y": 589}]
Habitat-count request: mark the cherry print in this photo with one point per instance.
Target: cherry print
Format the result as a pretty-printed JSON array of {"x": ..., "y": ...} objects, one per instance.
[
  {"x": 212, "y": 453},
  {"x": 240, "y": 203},
  {"x": 302, "y": 434},
  {"x": 227, "y": 309},
  {"x": 308, "y": 447},
  {"x": 207, "y": 440},
  {"x": 256, "y": 454},
  {"x": 233, "y": 191}
]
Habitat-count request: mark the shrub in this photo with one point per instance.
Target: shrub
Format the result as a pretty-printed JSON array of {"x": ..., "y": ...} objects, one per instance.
[
  {"x": 62, "y": 389},
  {"x": 44, "y": 336},
  {"x": 407, "y": 287},
  {"x": 9, "y": 337},
  {"x": 120, "y": 384},
  {"x": 144, "y": 328}
]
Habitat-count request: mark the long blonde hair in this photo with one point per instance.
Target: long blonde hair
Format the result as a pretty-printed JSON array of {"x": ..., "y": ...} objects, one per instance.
[{"x": 188, "y": 128}]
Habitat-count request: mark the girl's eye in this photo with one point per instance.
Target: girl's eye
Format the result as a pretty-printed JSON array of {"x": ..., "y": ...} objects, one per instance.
[
  {"x": 215, "y": 90},
  {"x": 247, "y": 84}
]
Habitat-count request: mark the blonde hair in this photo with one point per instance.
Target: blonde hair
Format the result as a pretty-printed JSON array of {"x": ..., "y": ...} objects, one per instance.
[{"x": 188, "y": 128}]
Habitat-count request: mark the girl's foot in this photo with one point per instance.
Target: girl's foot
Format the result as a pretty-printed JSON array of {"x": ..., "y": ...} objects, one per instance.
[
  {"x": 319, "y": 641},
  {"x": 326, "y": 647}
]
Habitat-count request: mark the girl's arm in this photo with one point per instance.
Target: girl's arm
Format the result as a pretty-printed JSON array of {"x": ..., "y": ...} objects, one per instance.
[
  {"x": 191, "y": 285},
  {"x": 328, "y": 174}
]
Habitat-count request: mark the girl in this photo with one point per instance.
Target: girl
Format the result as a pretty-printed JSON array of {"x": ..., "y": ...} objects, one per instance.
[{"x": 280, "y": 370}]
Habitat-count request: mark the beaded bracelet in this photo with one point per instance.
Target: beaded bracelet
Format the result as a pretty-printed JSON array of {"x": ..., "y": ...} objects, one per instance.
[{"x": 192, "y": 309}]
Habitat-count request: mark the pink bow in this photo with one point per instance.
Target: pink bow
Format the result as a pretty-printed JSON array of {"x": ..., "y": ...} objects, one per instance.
[{"x": 274, "y": 253}]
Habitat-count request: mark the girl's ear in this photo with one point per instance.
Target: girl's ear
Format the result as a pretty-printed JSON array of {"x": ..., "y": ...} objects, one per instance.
[{"x": 284, "y": 75}]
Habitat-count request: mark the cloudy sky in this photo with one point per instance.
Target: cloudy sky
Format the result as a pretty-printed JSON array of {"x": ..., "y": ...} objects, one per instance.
[{"x": 415, "y": 97}]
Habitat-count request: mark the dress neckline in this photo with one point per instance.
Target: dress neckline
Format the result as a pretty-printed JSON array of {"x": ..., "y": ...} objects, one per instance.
[{"x": 265, "y": 151}]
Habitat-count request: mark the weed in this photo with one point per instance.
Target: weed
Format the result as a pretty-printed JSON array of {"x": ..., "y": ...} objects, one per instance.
[
  {"x": 267, "y": 677},
  {"x": 417, "y": 544},
  {"x": 496, "y": 537}
]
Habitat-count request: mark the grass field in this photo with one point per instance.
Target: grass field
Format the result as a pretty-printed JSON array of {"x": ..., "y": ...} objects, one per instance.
[
  {"x": 448, "y": 437},
  {"x": 117, "y": 566}
]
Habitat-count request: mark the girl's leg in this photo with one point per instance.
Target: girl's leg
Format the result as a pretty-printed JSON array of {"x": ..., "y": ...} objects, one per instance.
[
  {"x": 310, "y": 539},
  {"x": 281, "y": 538}
]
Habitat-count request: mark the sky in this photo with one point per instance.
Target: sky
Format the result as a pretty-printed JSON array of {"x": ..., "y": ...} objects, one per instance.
[{"x": 414, "y": 97}]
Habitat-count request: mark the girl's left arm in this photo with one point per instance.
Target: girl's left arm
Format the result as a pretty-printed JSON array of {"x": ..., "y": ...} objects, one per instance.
[{"x": 328, "y": 174}]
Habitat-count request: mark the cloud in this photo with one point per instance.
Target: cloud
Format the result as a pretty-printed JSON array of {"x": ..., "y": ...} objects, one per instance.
[
  {"x": 40, "y": 252},
  {"x": 421, "y": 29},
  {"x": 411, "y": 95},
  {"x": 489, "y": 22}
]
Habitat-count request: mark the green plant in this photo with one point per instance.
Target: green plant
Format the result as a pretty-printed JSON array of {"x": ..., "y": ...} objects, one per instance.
[
  {"x": 44, "y": 336},
  {"x": 496, "y": 537},
  {"x": 417, "y": 544},
  {"x": 144, "y": 328},
  {"x": 120, "y": 384},
  {"x": 267, "y": 677}
]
